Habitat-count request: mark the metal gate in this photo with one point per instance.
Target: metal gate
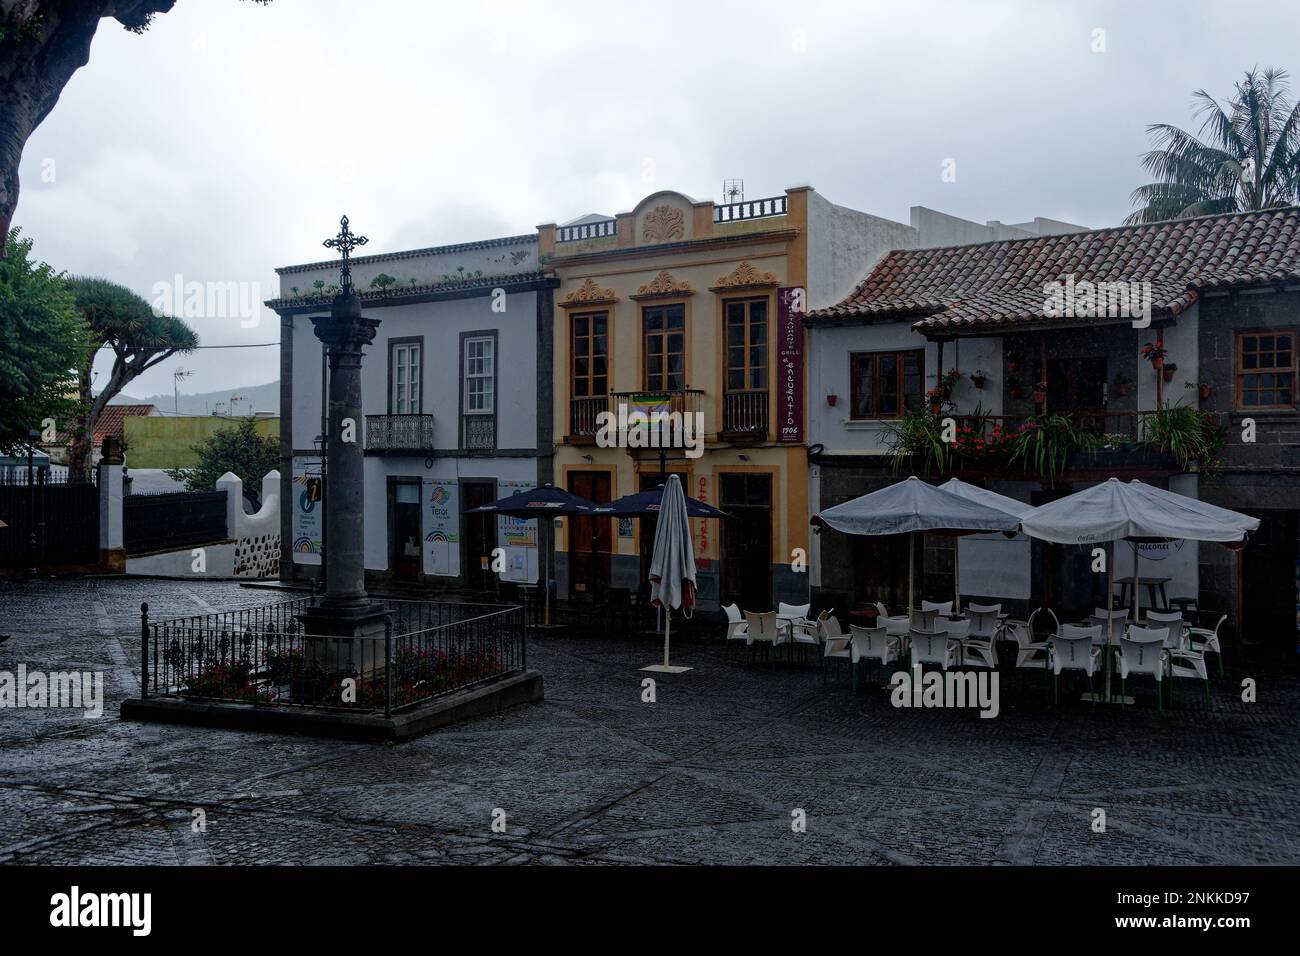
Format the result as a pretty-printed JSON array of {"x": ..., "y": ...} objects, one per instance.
[
  {"x": 171, "y": 521},
  {"x": 65, "y": 518}
]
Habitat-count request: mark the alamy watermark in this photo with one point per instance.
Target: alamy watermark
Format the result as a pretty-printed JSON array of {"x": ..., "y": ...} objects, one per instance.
[
  {"x": 946, "y": 689},
  {"x": 73, "y": 690},
  {"x": 209, "y": 300},
  {"x": 1085, "y": 299},
  {"x": 651, "y": 425}
]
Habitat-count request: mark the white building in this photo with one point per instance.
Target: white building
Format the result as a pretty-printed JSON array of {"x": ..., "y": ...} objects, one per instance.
[{"x": 450, "y": 392}]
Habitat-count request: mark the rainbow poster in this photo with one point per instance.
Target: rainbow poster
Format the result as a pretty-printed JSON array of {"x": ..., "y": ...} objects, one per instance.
[
  {"x": 308, "y": 512},
  {"x": 441, "y": 517}
]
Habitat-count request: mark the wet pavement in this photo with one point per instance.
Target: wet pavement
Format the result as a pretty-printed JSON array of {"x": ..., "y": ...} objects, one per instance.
[{"x": 714, "y": 771}]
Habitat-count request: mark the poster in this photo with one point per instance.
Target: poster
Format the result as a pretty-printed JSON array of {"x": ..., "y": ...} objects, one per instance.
[
  {"x": 518, "y": 537},
  {"x": 441, "y": 515},
  {"x": 308, "y": 511},
  {"x": 789, "y": 365}
]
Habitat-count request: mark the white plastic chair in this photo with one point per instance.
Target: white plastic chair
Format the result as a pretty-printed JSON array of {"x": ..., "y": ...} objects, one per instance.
[
  {"x": 1031, "y": 653},
  {"x": 1112, "y": 624},
  {"x": 1074, "y": 649},
  {"x": 1206, "y": 641},
  {"x": 933, "y": 647},
  {"x": 943, "y": 607},
  {"x": 1184, "y": 662},
  {"x": 1177, "y": 627},
  {"x": 1142, "y": 651},
  {"x": 873, "y": 644},
  {"x": 737, "y": 629},
  {"x": 763, "y": 629},
  {"x": 835, "y": 643},
  {"x": 979, "y": 649},
  {"x": 807, "y": 633}
]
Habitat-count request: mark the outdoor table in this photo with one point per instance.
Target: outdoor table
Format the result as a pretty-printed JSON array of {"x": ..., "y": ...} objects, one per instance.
[{"x": 1153, "y": 586}]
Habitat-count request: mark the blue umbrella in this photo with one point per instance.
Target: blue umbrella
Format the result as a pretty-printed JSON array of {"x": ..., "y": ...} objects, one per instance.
[
  {"x": 544, "y": 502},
  {"x": 647, "y": 503}
]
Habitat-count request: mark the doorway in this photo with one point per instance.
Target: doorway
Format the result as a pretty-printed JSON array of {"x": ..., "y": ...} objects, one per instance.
[
  {"x": 480, "y": 536},
  {"x": 747, "y": 541},
  {"x": 404, "y": 538},
  {"x": 1270, "y": 574},
  {"x": 591, "y": 540}
]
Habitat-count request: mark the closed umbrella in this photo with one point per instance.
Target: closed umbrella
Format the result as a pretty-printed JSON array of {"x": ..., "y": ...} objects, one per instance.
[
  {"x": 1017, "y": 509},
  {"x": 542, "y": 503},
  {"x": 672, "y": 567},
  {"x": 910, "y": 506}
]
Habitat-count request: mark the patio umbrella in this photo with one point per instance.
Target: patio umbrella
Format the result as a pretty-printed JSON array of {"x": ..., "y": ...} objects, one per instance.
[
  {"x": 910, "y": 506},
  {"x": 1017, "y": 509},
  {"x": 543, "y": 503},
  {"x": 1136, "y": 512},
  {"x": 672, "y": 568},
  {"x": 648, "y": 502}
]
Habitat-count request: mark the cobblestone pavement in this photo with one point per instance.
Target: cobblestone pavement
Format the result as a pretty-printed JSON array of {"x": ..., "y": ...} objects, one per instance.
[{"x": 708, "y": 773}]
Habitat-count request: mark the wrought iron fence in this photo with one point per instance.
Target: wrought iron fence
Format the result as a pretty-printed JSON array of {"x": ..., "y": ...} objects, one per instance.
[
  {"x": 401, "y": 433},
  {"x": 264, "y": 656},
  {"x": 745, "y": 413},
  {"x": 52, "y": 523}
]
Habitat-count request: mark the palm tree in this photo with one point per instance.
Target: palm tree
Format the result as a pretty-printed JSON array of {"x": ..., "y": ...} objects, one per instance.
[
  {"x": 1247, "y": 157},
  {"x": 140, "y": 339}
]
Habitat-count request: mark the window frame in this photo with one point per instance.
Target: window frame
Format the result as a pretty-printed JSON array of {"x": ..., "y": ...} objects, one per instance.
[
  {"x": 590, "y": 355},
  {"x": 467, "y": 376},
  {"x": 1239, "y": 372},
  {"x": 748, "y": 369},
  {"x": 899, "y": 356},
  {"x": 665, "y": 308},
  {"x": 393, "y": 345}
]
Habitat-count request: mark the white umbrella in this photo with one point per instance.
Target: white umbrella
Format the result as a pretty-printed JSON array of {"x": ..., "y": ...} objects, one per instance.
[
  {"x": 910, "y": 506},
  {"x": 1136, "y": 512},
  {"x": 672, "y": 566},
  {"x": 1017, "y": 509}
]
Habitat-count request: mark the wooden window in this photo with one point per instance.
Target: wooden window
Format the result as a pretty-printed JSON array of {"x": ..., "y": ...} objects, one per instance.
[
  {"x": 480, "y": 375},
  {"x": 405, "y": 358},
  {"x": 1266, "y": 370},
  {"x": 746, "y": 330},
  {"x": 885, "y": 384},
  {"x": 665, "y": 347},
  {"x": 590, "y": 354}
]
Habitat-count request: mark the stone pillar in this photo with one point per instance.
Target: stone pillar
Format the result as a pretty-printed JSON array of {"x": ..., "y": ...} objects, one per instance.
[
  {"x": 112, "y": 547},
  {"x": 233, "y": 486}
]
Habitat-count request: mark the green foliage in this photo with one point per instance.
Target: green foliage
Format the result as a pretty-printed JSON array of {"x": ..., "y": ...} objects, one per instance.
[
  {"x": 382, "y": 281},
  {"x": 124, "y": 321},
  {"x": 916, "y": 442},
  {"x": 42, "y": 343},
  {"x": 1187, "y": 434},
  {"x": 1046, "y": 441},
  {"x": 240, "y": 450},
  {"x": 1245, "y": 158}
]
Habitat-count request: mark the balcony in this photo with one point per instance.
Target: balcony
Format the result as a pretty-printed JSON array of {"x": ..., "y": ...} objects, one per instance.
[
  {"x": 744, "y": 416},
  {"x": 584, "y": 412},
  {"x": 583, "y": 418},
  {"x": 399, "y": 434},
  {"x": 480, "y": 432},
  {"x": 753, "y": 209}
]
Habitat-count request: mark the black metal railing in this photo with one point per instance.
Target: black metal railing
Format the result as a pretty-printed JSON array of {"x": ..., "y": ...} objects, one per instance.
[
  {"x": 751, "y": 209},
  {"x": 584, "y": 415},
  {"x": 480, "y": 432},
  {"x": 399, "y": 433},
  {"x": 173, "y": 520},
  {"x": 587, "y": 230},
  {"x": 264, "y": 656},
  {"x": 48, "y": 523},
  {"x": 745, "y": 413}
]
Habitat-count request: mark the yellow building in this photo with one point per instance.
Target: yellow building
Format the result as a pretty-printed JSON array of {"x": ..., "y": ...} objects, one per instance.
[{"x": 688, "y": 306}]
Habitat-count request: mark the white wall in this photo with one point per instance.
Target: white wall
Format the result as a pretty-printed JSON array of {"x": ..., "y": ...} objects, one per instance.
[{"x": 844, "y": 245}]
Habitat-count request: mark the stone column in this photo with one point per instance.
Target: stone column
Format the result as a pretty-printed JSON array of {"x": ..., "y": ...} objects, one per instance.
[{"x": 112, "y": 551}]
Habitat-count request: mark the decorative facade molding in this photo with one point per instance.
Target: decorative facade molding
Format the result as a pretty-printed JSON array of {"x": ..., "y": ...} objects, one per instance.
[
  {"x": 663, "y": 285},
  {"x": 664, "y": 224},
  {"x": 745, "y": 276},
  {"x": 589, "y": 294}
]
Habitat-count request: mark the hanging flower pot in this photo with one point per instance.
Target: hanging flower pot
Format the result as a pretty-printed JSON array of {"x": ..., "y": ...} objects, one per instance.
[
  {"x": 1168, "y": 371},
  {"x": 1204, "y": 390},
  {"x": 832, "y": 399},
  {"x": 1121, "y": 389},
  {"x": 978, "y": 378},
  {"x": 1040, "y": 393}
]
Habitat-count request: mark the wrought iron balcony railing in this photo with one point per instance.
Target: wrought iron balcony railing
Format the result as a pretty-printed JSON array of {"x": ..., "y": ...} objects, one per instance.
[
  {"x": 584, "y": 413},
  {"x": 744, "y": 414},
  {"x": 399, "y": 433}
]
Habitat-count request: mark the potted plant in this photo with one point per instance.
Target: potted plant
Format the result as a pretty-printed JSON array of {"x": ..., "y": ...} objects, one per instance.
[
  {"x": 1202, "y": 388},
  {"x": 1155, "y": 354},
  {"x": 1121, "y": 385},
  {"x": 1013, "y": 362},
  {"x": 1015, "y": 388},
  {"x": 831, "y": 399},
  {"x": 978, "y": 378},
  {"x": 935, "y": 398},
  {"x": 1169, "y": 371},
  {"x": 1040, "y": 393}
]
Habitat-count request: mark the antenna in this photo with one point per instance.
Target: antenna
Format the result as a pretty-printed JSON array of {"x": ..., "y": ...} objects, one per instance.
[
  {"x": 733, "y": 190},
  {"x": 177, "y": 375}
]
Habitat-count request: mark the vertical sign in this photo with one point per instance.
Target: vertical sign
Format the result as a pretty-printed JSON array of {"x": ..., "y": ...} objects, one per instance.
[
  {"x": 518, "y": 537},
  {"x": 702, "y": 495},
  {"x": 308, "y": 511},
  {"x": 789, "y": 365},
  {"x": 441, "y": 527}
]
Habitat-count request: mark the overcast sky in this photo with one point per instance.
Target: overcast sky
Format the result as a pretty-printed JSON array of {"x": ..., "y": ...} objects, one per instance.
[{"x": 229, "y": 138}]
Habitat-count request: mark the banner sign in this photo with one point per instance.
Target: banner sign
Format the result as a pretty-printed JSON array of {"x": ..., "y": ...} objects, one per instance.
[
  {"x": 308, "y": 511},
  {"x": 441, "y": 513},
  {"x": 518, "y": 538},
  {"x": 790, "y": 307}
]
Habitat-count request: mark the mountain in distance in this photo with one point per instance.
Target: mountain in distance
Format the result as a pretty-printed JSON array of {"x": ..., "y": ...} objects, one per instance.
[{"x": 250, "y": 398}]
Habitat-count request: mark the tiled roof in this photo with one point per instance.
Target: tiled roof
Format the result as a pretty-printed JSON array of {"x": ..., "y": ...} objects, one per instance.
[
  {"x": 111, "y": 421},
  {"x": 1004, "y": 283},
  {"x": 530, "y": 237},
  {"x": 396, "y": 294}
]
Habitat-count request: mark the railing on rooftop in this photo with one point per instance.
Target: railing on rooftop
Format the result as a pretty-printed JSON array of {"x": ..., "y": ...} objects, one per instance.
[
  {"x": 599, "y": 229},
  {"x": 750, "y": 209}
]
